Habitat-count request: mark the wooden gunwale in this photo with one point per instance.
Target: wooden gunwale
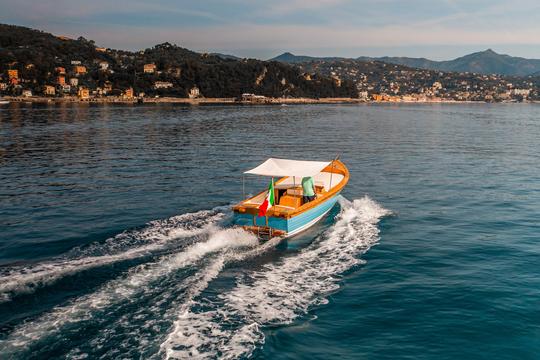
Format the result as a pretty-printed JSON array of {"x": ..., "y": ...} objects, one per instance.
[{"x": 335, "y": 167}]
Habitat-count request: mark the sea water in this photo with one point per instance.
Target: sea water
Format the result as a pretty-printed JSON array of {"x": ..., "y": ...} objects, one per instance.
[{"x": 115, "y": 236}]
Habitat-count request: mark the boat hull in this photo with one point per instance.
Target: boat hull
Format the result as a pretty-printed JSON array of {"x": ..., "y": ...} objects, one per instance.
[{"x": 291, "y": 226}]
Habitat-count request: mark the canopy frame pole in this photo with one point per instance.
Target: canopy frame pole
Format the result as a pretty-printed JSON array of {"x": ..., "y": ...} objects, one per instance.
[
  {"x": 243, "y": 187},
  {"x": 332, "y": 171}
]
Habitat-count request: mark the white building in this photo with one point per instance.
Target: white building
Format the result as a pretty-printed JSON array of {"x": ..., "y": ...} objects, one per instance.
[
  {"x": 163, "y": 85},
  {"x": 522, "y": 92},
  {"x": 436, "y": 85},
  {"x": 194, "y": 93}
]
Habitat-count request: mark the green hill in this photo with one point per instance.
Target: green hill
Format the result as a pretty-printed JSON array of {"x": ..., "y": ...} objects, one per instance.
[{"x": 36, "y": 55}]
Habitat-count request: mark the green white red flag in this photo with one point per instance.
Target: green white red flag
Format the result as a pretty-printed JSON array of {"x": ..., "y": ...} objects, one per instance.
[{"x": 269, "y": 201}]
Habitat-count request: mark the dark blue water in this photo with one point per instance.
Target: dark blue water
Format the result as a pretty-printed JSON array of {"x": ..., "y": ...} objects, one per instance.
[{"x": 115, "y": 238}]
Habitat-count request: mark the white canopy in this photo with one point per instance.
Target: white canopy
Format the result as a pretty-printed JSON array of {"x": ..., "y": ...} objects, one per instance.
[{"x": 284, "y": 167}]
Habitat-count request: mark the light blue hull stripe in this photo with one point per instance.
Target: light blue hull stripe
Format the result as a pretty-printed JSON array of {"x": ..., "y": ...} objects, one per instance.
[{"x": 292, "y": 224}]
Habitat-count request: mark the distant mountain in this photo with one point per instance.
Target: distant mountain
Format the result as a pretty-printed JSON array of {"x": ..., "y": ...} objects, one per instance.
[
  {"x": 226, "y": 56},
  {"x": 483, "y": 62},
  {"x": 287, "y": 57},
  {"x": 420, "y": 63}
]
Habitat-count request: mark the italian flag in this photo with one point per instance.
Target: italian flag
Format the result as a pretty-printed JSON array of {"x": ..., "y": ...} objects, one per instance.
[{"x": 269, "y": 201}]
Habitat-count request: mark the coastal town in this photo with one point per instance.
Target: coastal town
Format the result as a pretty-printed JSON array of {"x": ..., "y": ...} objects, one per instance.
[
  {"x": 375, "y": 81},
  {"x": 41, "y": 67},
  {"x": 378, "y": 81}
]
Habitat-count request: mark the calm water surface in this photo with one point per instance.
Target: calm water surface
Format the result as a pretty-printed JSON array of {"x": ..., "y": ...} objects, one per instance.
[{"x": 115, "y": 238}]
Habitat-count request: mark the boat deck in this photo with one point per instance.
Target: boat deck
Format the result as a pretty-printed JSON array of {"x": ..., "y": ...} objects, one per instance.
[{"x": 288, "y": 193}]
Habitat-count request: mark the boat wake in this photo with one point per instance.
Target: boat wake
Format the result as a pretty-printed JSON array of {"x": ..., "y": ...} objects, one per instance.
[
  {"x": 230, "y": 326},
  {"x": 156, "y": 236},
  {"x": 178, "y": 306}
]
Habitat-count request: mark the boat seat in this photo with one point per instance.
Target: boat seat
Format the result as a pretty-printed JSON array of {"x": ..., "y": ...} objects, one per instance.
[
  {"x": 290, "y": 201},
  {"x": 294, "y": 191}
]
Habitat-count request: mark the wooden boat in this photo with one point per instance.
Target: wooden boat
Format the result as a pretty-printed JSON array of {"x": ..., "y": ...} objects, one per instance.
[{"x": 290, "y": 215}]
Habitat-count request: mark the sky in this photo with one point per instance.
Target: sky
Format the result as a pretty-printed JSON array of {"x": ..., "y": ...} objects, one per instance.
[{"x": 436, "y": 29}]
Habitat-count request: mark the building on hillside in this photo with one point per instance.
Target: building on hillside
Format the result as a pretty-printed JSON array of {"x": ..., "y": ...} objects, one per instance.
[
  {"x": 103, "y": 65},
  {"x": 76, "y": 62},
  {"x": 363, "y": 95},
  {"x": 49, "y": 90},
  {"x": 101, "y": 49},
  {"x": 163, "y": 85},
  {"x": 61, "y": 80},
  {"x": 194, "y": 93},
  {"x": 66, "y": 88},
  {"x": 27, "y": 93},
  {"x": 128, "y": 93},
  {"x": 149, "y": 68},
  {"x": 377, "y": 97},
  {"x": 521, "y": 92},
  {"x": 83, "y": 93},
  {"x": 79, "y": 69},
  {"x": 504, "y": 96},
  {"x": 60, "y": 70},
  {"x": 3, "y": 86},
  {"x": 13, "y": 74},
  {"x": 73, "y": 81}
]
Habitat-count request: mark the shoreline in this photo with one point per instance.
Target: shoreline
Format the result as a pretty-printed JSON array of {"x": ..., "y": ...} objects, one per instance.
[{"x": 233, "y": 101}]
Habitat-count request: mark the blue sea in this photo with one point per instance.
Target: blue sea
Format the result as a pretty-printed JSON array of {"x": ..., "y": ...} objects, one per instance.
[{"x": 116, "y": 238}]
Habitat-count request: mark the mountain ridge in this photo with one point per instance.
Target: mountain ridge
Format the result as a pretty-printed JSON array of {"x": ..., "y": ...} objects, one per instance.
[{"x": 482, "y": 62}]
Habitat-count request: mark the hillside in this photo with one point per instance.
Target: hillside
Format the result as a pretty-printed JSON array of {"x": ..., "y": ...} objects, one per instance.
[
  {"x": 42, "y": 59},
  {"x": 483, "y": 62},
  {"x": 373, "y": 78}
]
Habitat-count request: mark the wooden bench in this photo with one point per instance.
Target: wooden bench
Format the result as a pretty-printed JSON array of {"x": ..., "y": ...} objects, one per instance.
[{"x": 290, "y": 201}]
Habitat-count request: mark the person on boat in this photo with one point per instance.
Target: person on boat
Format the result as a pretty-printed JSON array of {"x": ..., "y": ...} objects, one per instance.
[{"x": 308, "y": 187}]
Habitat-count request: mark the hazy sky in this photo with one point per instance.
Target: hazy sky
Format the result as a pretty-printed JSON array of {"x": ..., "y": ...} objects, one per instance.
[{"x": 437, "y": 29}]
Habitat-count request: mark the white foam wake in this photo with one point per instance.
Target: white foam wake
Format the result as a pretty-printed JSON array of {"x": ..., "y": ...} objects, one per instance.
[
  {"x": 279, "y": 293},
  {"x": 183, "y": 343},
  {"x": 136, "y": 282},
  {"x": 134, "y": 333},
  {"x": 128, "y": 245}
]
